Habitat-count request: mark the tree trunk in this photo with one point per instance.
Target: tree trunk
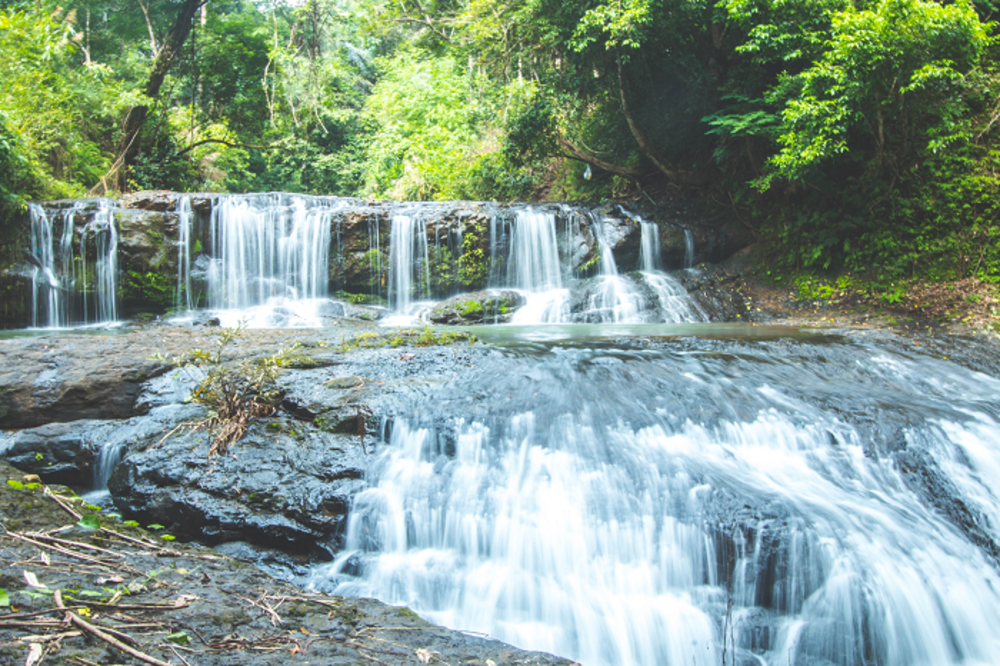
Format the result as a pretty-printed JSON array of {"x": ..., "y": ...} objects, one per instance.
[
  {"x": 169, "y": 50},
  {"x": 638, "y": 134}
]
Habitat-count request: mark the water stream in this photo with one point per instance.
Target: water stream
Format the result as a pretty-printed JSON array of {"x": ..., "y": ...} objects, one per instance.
[{"x": 694, "y": 500}]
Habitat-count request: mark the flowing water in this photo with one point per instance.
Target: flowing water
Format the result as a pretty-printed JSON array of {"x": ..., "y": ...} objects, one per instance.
[
  {"x": 68, "y": 290},
  {"x": 712, "y": 499},
  {"x": 621, "y": 493}
]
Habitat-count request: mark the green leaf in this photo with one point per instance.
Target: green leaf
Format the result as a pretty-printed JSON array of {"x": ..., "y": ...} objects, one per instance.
[
  {"x": 154, "y": 526},
  {"x": 167, "y": 537},
  {"x": 180, "y": 638},
  {"x": 131, "y": 523},
  {"x": 16, "y": 485},
  {"x": 4, "y": 598},
  {"x": 90, "y": 522}
]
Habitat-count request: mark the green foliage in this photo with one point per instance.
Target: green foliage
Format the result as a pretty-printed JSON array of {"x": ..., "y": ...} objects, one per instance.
[
  {"x": 467, "y": 308},
  {"x": 425, "y": 115},
  {"x": 888, "y": 83},
  {"x": 148, "y": 288},
  {"x": 425, "y": 338},
  {"x": 236, "y": 394},
  {"x": 53, "y": 112}
]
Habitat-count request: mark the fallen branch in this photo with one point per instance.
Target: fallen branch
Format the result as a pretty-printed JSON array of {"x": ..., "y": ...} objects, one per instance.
[
  {"x": 64, "y": 542},
  {"x": 62, "y": 551},
  {"x": 48, "y": 638},
  {"x": 65, "y": 506},
  {"x": 104, "y": 636}
]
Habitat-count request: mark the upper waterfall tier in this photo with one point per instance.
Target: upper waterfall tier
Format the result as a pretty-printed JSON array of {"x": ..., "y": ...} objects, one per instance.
[{"x": 91, "y": 258}]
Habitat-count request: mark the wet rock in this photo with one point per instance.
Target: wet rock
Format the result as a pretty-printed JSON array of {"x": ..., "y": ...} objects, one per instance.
[
  {"x": 480, "y": 307},
  {"x": 42, "y": 383},
  {"x": 61, "y": 453},
  {"x": 287, "y": 485}
]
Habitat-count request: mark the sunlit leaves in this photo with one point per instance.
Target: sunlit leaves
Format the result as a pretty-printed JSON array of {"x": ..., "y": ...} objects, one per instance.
[{"x": 885, "y": 74}]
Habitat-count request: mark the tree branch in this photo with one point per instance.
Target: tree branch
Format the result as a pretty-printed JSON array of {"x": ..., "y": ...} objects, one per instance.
[
  {"x": 575, "y": 153},
  {"x": 223, "y": 142}
]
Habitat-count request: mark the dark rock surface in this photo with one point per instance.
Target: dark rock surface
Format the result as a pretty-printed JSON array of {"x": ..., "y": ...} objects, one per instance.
[
  {"x": 55, "y": 377},
  {"x": 62, "y": 453},
  {"x": 166, "y": 600},
  {"x": 287, "y": 484}
]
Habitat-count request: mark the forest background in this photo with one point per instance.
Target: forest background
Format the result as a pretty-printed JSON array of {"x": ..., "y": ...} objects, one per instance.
[{"x": 853, "y": 137}]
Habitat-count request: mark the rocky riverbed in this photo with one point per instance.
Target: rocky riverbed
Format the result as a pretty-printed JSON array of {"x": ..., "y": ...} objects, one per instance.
[{"x": 71, "y": 403}]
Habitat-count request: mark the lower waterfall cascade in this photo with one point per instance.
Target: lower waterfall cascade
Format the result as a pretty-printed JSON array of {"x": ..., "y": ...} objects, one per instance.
[{"x": 704, "y": 504}]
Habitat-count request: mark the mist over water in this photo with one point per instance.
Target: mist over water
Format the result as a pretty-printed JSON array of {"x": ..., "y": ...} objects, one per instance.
[{"x": 786, "y": 501}]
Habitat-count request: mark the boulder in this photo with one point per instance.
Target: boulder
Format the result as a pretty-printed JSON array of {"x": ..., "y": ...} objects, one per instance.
[
  {"x": 287, "y": 485},
  {"x": 43, "y": 380},
  {"x": 480, "y": 307},
  {"x": 62, "y": 453}
]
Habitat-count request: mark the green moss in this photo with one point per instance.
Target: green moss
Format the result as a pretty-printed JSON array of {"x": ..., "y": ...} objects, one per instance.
[
  {"x": 148, "y": 288},
  {"x": 470, "y": 308},
  {"x": 359, "y": 299},
  {"x": 424, "y": 338},
  {"x": 590, "y": 263}
]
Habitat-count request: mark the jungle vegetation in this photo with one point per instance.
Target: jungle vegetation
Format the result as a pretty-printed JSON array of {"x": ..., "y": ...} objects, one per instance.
[{"x": 851, "y": 135}]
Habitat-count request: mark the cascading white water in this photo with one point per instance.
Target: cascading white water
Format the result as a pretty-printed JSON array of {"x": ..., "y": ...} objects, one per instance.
[
  {"x": 614, "y": 299},
  {"x": 267, "y": 260},
  {"x": 688, "y": 248},
  {"x": 712, "y": 513},
  {"x": 534, "y": 255},
  {"x": 46, "y": 291},
  {"x": 183, "y": 301},
  {"x": 105, "y": 234},
  {"x": 649, "y": 247},
  {"x": 271, "y": 257},
  {"x": 61, "y": 294},
  {"x": 409, "y": 266},
  {"x": 533, "y": 266}
]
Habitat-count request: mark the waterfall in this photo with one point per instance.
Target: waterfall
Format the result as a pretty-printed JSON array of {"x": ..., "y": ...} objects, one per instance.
[
  {"x": 46, "y": 290},
  {"x": 533, "y": 266},
  {"x": 699, "y": 505},
  {"x": 409, "y": 266},
  {"x": 269, "y": 248},
  {"x": 649, "y": 246},
  {"x": 268, "y": 260},
  {"x": 613, "y": 299},
  {"x": 105, "y": 234},
  {"x": 60, "y": 285},
  {"x": 183, "y": 301},
  {"x": 688, "y": 248}
]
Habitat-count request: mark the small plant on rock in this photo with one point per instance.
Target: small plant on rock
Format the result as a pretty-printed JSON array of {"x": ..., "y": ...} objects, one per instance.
[{"x": 235, "y": 393}]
